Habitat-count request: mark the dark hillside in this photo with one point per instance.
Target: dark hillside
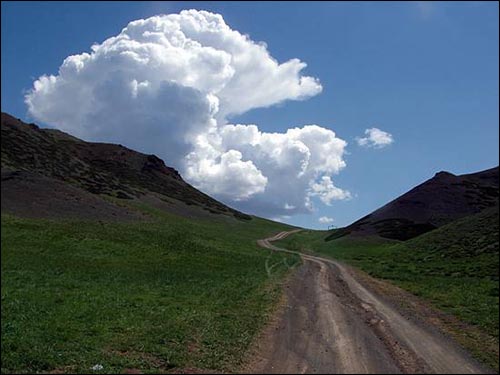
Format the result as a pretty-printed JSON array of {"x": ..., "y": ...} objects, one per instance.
[
  {"x": 55, "y": 158},
  {"x": 436, "y": 202}
]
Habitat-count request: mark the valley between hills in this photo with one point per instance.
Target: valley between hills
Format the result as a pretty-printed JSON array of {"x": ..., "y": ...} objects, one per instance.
[{"x": 110, "y": 259}]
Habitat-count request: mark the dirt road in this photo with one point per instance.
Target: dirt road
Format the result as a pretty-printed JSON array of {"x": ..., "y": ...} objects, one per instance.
[{"x": 333, "y": 324}]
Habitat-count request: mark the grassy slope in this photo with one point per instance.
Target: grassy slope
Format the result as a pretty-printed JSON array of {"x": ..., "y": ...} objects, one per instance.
[
  {"x": 172, "y": 293},
  {"x": 454, "y": 267}
]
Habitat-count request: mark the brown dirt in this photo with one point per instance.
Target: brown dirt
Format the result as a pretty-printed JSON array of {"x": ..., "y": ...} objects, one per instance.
[
  {"x": 422, "y": 312},
  {"x": 32, "y": 195},
  {"x": 331, "y": 323},
  {"x": 132, "y": 371}
]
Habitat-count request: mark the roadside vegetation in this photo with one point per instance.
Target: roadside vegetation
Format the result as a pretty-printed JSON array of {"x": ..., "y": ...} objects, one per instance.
[
  {"x": 168, "y": 294},
  {"x": 454, "y": 267}
]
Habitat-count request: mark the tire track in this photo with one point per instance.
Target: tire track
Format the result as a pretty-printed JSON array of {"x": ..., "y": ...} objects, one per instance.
[{"x": 332, "y": 324}]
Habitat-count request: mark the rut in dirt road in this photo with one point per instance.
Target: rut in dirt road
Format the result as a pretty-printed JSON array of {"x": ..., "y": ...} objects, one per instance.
[{"x": 332, "y": 324}]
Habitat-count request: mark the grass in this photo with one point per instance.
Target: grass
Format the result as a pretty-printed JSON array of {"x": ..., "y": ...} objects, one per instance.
[
  {"x": 159, "y": 295},
  {"x": 454, "y": 267}
]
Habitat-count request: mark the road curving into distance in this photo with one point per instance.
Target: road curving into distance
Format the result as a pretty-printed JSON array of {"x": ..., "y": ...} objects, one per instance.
[{"x": 333, "y": 324}]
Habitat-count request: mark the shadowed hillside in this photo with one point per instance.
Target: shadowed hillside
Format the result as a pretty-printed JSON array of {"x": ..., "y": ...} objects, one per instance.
[
  {"x": 436, "y": 202},
  {"x": 48, "y": 173}
]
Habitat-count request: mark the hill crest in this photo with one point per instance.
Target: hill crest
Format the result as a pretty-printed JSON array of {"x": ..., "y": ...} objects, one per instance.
[
  {"x": 33, "y": 158},
  {"x": 438, "y": 201}
]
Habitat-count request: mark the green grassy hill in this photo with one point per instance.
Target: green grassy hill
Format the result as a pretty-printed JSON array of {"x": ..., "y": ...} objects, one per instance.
[
  {"x": 455, "y": 267},
  {"x": 465, "y": 248},
  {"x": 110, "y": 258},
  {"x": 168, "y": 294}
]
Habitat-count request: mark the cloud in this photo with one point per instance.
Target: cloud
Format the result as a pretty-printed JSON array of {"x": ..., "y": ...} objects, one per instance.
[
  {"x": 325, "y": 220},
  {"x": 291, "y": 162},
  {"x": 229, "y": 178},
  {"x": 326, "y": 191},
  {"x": 375, "y": 138},
  {"x": 168, "y": 85}
]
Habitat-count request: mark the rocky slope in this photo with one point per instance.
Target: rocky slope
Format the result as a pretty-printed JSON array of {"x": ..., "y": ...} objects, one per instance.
[
  {"x": 46, "y": 172},
  {"x": 436, "y": 202}
]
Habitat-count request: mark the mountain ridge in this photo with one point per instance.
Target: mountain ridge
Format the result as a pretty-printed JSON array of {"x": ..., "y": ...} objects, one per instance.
[
  {"x": 437, "y": 201},
  {"x": 51, "y": 156}
]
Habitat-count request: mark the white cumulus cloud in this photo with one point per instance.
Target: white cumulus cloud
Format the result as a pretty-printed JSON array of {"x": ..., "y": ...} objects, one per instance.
[
  {"x": 230, "y": 177},
  {"x": 325, "y": 220},
  {"x": 375, "y": 138},
  {"x": 168, "y": 84},
  {"x": 292, "y": 162},
  {"x": 326, "y": 191}
]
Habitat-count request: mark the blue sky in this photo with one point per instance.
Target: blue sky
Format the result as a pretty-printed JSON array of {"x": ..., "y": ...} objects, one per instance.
[{"x": 425, "y": 72}]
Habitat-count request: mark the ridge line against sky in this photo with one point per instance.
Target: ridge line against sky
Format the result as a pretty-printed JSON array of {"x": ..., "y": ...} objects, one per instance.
[{"x": 228, "y": 101}]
